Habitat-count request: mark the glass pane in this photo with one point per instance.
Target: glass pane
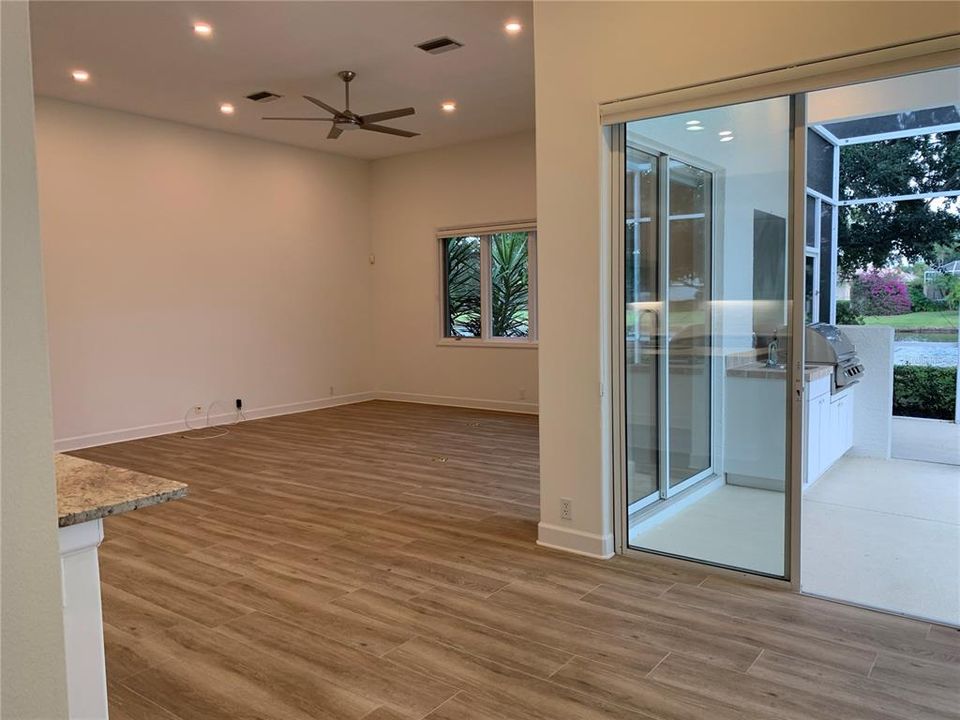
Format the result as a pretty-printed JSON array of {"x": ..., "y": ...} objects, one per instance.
[
  {"x": 461, "y": 261},
  {"x": 689, "y": 317},
  {"x": 509, "y": 285},
  {"x": 811, "y": 224},
  {"x": 819, "y": 164},
  {"x": 911, "y": 120},
  {"x": 905, "y": 166},
  {"x": 826, "y": 259},
  {"x": 808, "y": 288},
  {"x": 641, "y": 316},
  {"x": 720, "y": 406}
]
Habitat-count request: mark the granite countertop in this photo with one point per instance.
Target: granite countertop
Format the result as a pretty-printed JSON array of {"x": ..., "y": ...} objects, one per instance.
[
  {"x": 759, "y": 369},
  {"x": 89, "y": 490}
]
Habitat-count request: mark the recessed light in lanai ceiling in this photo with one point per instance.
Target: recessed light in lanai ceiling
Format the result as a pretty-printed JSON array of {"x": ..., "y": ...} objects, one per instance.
[
  {"x": 80, "y": 75},
  {"x": 513, "y": 27},
  {"x": 203, "y": 29},
  {"x": 448, "y": 106},
  {"x": 227, "y": 108}
]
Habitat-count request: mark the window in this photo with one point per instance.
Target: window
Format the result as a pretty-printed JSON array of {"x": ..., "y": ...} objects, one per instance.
[{"x": 489, "y": 286}]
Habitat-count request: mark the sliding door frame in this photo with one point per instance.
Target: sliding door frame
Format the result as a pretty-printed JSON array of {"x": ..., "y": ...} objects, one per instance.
[{"x": 793, "y": 82}]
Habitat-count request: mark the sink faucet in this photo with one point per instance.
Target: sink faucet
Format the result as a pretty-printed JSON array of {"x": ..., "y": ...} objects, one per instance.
[{"x": 772, "y": 354}]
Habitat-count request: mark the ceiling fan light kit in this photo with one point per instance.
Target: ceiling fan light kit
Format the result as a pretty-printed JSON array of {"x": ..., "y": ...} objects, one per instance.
[{"x": 346, "y": 119}]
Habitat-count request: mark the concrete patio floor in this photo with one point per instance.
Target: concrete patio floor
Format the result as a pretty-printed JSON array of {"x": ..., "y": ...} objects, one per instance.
[
  {"x": 926, "y": 440},
  {"x": 885, "y": 534}
]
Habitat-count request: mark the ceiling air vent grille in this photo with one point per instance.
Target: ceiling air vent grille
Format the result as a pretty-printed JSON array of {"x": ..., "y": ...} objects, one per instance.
[
  {"x": 264, "y": 96},
  {"x": 440, "y": 45}
]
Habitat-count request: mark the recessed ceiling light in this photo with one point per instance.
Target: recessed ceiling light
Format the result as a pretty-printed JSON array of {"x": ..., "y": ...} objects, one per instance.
[
  {"x": 513, "y": 27},
  {"x": 80, "y": 75},
  {"x": 202, "y": 28},
  {"x": 226, "y": 108},
  {"x": 448, "y": 106},
  {"x": 724, "y": 133},
  {"x": 693, "y": 122},
  {"x": 728, "y": 138},
  {"x": 694, "y": 128}
]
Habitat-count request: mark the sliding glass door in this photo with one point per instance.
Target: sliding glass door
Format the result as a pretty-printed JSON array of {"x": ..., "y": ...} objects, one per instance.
[
  {"x": 667, "y": 319},
  {"x": 705, "y": 328}
]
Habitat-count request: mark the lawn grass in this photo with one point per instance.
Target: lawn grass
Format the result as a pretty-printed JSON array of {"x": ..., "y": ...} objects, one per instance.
[{"x": 928, "y": 319}]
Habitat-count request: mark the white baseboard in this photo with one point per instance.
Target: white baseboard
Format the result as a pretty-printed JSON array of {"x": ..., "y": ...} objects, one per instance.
[
  {"x": 474, "y": 403},
  {"x": 145, "y": 431},
  {"x": 575, "y": 541}
]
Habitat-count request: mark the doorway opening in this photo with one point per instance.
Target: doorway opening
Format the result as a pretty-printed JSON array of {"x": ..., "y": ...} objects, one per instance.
[{"x": 881, "y": 492}]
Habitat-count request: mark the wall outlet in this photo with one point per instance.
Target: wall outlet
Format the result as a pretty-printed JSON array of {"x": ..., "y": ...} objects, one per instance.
[
  {"x": 566, "y": 509},
  {"x": 198, "y": 409},
  {"x": 239, "y": 404}
]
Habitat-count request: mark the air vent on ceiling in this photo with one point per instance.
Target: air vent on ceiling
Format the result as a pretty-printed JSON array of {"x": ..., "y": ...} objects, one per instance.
[
  {"x": 440, "y": 45},
  {"x": 264, "y": 96}
]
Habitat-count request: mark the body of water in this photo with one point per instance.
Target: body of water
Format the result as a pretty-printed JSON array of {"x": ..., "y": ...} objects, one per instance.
[{"x": 940, "y": 350}]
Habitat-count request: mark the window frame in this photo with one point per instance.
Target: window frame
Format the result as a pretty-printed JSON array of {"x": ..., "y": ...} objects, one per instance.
[{"x": 486, "y": 339}]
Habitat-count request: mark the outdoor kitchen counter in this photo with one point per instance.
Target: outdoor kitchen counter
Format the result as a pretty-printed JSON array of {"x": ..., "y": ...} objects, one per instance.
[
  {"x": 759, "y": 369},
  {"x": 87, "y": 492}
]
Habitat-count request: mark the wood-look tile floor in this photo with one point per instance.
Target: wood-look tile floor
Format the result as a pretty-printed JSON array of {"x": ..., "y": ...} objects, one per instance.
[{"x": 378, "y": 561}]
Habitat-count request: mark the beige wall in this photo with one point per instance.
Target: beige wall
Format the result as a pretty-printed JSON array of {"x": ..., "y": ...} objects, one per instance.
[
  {"x": 413, "y": 195},
  {"x": 185, "y": 266},
  {"x": 32, "y": 669},
  {"x": 588, "y": 53}
]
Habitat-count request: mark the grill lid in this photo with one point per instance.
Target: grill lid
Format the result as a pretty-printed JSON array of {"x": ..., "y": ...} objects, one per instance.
[{"x": 827, "y": 344}]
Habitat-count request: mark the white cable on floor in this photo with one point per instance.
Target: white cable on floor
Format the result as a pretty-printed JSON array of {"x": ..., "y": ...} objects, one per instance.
[{"x": 224, "y": 430}]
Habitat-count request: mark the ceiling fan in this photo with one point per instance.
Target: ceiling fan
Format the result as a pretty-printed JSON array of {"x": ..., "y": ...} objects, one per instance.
[{"x": 348, "y": 120}]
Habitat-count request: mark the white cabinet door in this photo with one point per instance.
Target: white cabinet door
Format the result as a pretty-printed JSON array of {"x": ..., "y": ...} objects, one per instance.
[
  {"x": 813, "y": 441},
  {"x": 824, "y": 439},
  {"x": 835, "y": 442}
]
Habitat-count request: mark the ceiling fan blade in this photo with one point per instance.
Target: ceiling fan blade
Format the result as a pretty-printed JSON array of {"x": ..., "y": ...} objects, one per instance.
[
  {"x": 321, "y": 103},
  {"x": 387, "y": 115},
  {"x": 334, "y": 133},
  {"x": 299, "y": 118},
  {"x": 388, "y": 130}
]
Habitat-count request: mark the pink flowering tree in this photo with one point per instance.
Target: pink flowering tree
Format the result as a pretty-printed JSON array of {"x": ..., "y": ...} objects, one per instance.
[{"x": 879, "y": 293}]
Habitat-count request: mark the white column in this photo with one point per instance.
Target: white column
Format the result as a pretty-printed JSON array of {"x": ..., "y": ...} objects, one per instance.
[{"x": 83, "y": 621}]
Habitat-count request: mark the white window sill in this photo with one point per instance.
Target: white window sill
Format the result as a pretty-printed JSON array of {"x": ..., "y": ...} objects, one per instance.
[{"x": 492, "y": 343}]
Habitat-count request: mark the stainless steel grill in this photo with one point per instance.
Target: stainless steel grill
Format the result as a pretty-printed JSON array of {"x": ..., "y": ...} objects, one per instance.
[{"x": 827, "y": 345}]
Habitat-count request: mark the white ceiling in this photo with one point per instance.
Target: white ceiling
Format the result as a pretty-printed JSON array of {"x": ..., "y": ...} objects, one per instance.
[
  {"x": 884, "y": 97},
  {"x": 143, "y": 57}
]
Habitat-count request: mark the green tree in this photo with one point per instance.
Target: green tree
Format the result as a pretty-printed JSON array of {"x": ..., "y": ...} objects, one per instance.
[
  {"x": 463, "y": 286},
  {"x": 510, "y": 285},
  {"x": 912, "y": 229}
]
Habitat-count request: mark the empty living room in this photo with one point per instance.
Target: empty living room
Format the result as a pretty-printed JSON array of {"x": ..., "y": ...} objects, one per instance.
[{"x": 434, "y": 360}]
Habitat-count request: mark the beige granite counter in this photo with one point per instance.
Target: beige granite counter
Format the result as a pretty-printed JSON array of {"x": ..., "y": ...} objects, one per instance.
[
  {"x": 89, "y": 490},
  {"x": 759, "y": 369}
]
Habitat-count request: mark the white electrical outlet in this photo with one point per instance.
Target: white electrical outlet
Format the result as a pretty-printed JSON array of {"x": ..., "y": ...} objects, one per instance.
[
  {"x": 566, "y": 509},
  {"x": 198, "y": 409}
]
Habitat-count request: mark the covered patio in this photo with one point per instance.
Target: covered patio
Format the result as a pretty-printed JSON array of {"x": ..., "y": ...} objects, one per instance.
[{"x": 886, "y": 534}]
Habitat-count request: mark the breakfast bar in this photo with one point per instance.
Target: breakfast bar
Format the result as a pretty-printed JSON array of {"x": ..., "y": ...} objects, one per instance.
[{"x": 87, "y": 492}]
